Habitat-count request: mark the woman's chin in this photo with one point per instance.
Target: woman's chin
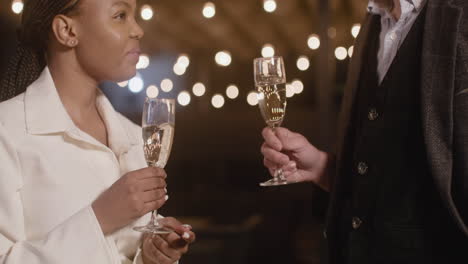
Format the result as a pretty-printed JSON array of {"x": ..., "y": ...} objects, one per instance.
[{"x": 126, "y": 75}]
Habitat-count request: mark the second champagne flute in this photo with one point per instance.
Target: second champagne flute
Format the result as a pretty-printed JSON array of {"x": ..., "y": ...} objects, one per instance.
[
  {"x": 158, "y": 133},
  {"x": 270, "y": 83}
]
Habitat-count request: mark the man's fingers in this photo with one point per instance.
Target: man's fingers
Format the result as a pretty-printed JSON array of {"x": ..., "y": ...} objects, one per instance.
[
  {"x": 165, "y": 248},
  {"x": 278, "y": 158},
  {"x": 151, "y": 252},
  {"x": 291, "y": 141},
  {"x": 271, "y": 139}
]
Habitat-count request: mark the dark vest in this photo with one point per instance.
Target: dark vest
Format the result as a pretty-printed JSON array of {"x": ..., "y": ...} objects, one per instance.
[{"x": 391, "y": 212}]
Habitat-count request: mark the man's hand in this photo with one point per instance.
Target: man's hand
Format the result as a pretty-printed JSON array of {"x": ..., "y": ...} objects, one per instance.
[{"x": 167, "y": 249}]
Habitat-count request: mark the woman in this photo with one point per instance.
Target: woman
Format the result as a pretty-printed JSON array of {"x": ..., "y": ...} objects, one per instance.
[{"x": 73, "y": 179}]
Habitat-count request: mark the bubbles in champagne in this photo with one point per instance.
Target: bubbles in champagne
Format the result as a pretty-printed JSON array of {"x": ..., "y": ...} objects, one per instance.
[
  {"x": 158, "y": 143},
  {"x": 272, "y": 102}
]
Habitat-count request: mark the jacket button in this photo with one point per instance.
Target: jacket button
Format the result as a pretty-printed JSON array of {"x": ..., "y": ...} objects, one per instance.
[
  {"x": 362, "y": 168},
  {"x": 373, "y": 114},
  {"x": 356, "y": 222}
]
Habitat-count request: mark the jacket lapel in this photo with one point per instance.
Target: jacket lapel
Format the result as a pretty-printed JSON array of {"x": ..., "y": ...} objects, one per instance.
[{"x": 438, "y": 84}]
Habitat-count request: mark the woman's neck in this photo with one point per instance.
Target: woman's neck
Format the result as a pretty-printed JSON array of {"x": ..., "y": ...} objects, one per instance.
[{"x": 77, "y": 90}]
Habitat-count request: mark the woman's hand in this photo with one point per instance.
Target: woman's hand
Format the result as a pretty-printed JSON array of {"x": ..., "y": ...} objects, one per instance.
[
  {"x": 167, "y": 249},
  {"x": 132, "y": 196}
]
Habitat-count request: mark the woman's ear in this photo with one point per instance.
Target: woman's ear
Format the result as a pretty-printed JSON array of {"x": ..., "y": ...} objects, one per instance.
[{"x": 64, "y": 31}]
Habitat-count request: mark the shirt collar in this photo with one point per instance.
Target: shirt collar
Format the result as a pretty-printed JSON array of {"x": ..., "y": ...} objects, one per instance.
[{"x": 46, "y": 114}]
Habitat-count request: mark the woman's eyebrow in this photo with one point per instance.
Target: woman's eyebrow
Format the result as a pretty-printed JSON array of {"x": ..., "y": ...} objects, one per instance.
[{"x": 121, "y": 2}]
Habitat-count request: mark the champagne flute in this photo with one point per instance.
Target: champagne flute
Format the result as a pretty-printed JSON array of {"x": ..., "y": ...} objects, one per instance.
[
  {"x": 270, "y": 83},
  {"x": 158, "y": 133}
]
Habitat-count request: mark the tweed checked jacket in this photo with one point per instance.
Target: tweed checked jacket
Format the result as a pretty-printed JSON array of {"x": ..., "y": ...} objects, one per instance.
[{"x": 444, "y": 109}]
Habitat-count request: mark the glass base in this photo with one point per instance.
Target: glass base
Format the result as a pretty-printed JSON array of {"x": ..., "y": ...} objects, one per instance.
[
  {"x": 152, "y": 229},
  {"x": 274, "y": 182}
]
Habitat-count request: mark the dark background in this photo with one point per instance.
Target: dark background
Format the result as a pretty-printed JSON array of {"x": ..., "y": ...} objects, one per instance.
[{"x": 216, "y": 165}]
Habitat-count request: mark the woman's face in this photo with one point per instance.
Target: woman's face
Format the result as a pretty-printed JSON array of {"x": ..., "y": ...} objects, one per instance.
[{"x": 109, "y": 39}]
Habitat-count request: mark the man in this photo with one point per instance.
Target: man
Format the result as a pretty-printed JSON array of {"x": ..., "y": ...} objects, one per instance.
[{"x": 398, "y": 181}]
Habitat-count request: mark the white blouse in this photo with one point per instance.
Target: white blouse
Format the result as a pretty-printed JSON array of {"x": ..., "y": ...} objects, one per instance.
[{"x": 51, "y": 172}]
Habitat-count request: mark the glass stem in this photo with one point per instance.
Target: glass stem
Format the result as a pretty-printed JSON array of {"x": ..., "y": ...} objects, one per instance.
[
  {"x": 278, "y": 174},
  {"x": 154, "y": 218}
]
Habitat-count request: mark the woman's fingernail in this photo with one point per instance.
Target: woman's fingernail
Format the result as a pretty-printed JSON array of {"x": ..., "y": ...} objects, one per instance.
[
  {"x": 186, "y": 235},
  {"x": 166, "y": 197},
  {"x": 165, "y": 190},
  {"x": 187, "y": 226}
]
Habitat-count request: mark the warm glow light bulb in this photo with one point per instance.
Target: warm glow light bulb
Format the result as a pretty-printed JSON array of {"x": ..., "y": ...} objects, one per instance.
[
  {"x": 217, "y": 101},
  {"x": 223, "y": 58},
  {"x": 313, "y": 42},
  {"x": 252, "y": 98},
  {"x": 184, "y": 98},
  {"x": 232, "y": 91},
  {"x": 199, "y": 89},
  {"x": 303, "y": 63},
  {"x": 152, "y": 91},
  {"x": 209, "y": 10},
  {"x": 355, "y": 30},
  {"x": 17, "y": 6},
  {"x": 341, "y": 53},
  {"x": 268, "y": 51},
  {"x": 146, "y": 12},
  {"x": 269, "y": 5},
  {"x": 167, "y": 85}
]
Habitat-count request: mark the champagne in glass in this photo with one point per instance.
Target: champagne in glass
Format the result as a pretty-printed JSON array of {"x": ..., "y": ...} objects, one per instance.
[
  {"x": 158, "y": 134},
  {"x": 270, "y": 83}
]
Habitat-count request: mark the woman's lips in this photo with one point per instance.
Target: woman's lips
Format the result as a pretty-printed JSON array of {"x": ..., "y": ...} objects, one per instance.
[{"x": 134, "y": 54}]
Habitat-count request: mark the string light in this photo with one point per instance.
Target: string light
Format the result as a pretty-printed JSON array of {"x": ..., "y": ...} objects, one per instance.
[
  {"x": 269, "y": 5},
  {"x": 184, "y": 98},
  {"x": 303, "y": 63},
  {"x": 289, "y": 90},
  {"x": 298, "y": 86},
  {"x": 217, "y": 101},
  {"x": 123, "y": 84},
  {"x": 355, "y": 30},
  {"x": 223, "y": 58},
  {"x": 351, "y": 51},
  {"x": 209, "y": 10},
  {"x": 199, "y": 89},
  {"x": 146, "y": 12},
  {"x": 179, "y": 69},
  {"x": 232, "y": 91},
  {"x": 167, "y": 85},
  {"x": 136, "y": 84},
  {"x": 183, "y": 60},
  {"x": 252, "y": 98},
  {"x": 17, "y": 6},
  {"x": 313, "y": 42},
  {"x": 152, "y": 91},
  {"x": 341, "y": 53},
  {"x": 143, "y": 62},
  {"x": 268, "y": 51}
]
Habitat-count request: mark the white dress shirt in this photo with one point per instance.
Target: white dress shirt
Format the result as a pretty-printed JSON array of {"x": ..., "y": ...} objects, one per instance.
[
  {"x": 393, "y": 32},
  {"x": 51, "y": 172}
]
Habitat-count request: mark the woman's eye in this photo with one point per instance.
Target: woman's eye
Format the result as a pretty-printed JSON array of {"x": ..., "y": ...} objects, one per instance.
[{"x": 121, "y": 16}]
